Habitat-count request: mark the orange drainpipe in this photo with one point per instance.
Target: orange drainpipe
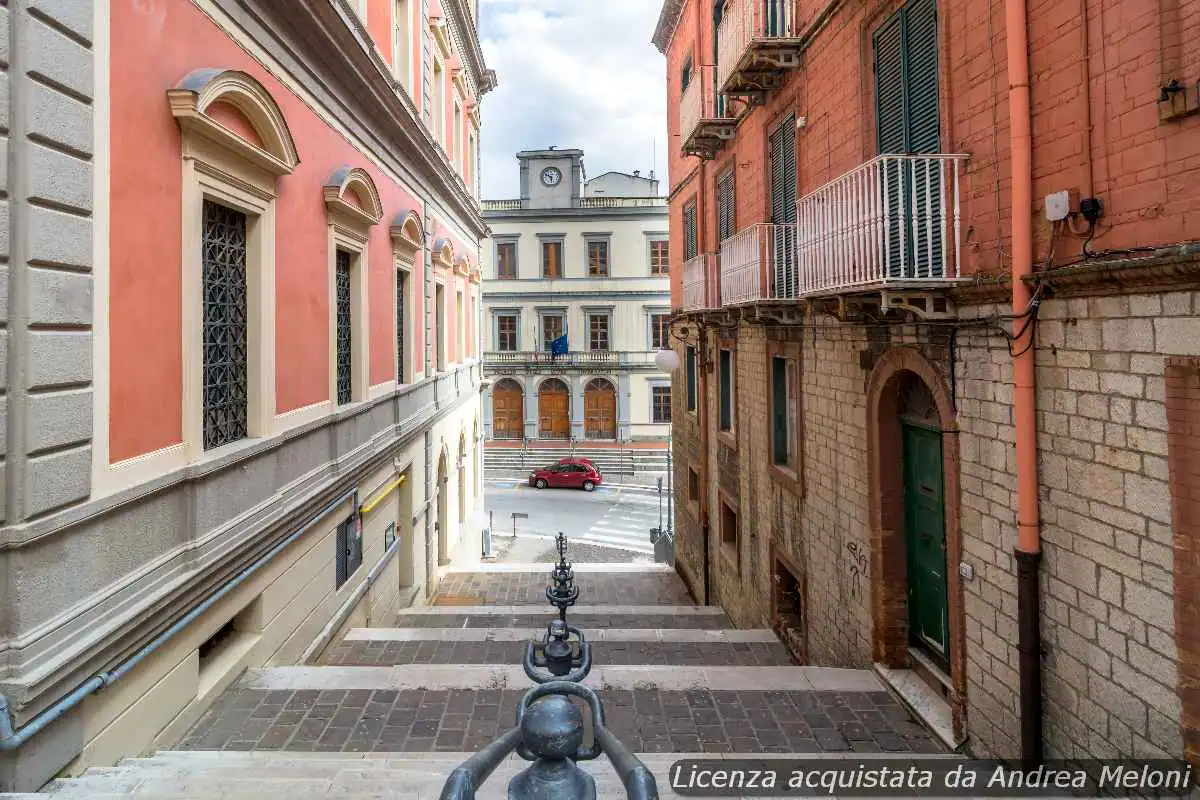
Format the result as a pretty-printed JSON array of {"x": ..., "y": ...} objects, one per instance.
[{"x": 1029, "y": 550}]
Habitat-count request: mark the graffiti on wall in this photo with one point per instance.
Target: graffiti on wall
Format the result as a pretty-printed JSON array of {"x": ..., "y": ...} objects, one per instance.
[{"x": 856, "y": 565}]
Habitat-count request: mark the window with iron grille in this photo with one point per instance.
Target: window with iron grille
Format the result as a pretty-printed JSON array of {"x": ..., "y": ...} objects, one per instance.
[
  {"x": 691, "y": 378},
  {"x": 226, "y": 337},
  {"x": 659, "y": 328},
  {"x": 598, "y": 331},
  {"x": 726, "y": 213},
  {"x": 506, "y": 260},
  {"x": 345, "y": 330},
  {"x": 401, "y": 281},
  {"x": 689, "y": 231},
  {"x": 660, "y": 257},
  {"x": 725, "y": 368},
  {"x": 506, "y": 333},
  {"x": 660, "y": 410},
  {"x": 552, "y": 328},
  {"x": 597, "y": 255},
  {"x": 349, "y": 549},
  {"x": 552, "y": 259}
]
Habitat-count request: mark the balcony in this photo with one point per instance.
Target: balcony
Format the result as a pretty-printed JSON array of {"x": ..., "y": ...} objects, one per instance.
[
  {"x": 540, "y": 360},
  {"x": 701, "y": 289},
  {"x": 757, "y": 40},
  {"x": 704, "y": 124},
  {"x": 892, "y": 223},
  {"x": 758, "y": 263}
]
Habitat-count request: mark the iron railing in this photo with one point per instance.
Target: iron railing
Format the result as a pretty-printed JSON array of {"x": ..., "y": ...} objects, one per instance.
[
  {"x": 746, "y": 21},
  {"x": 700, "y": 287},
  {"x": 550, "y": 729},
  {"x": 583, "y": 359},
  {"x": 758, "y": 263},
  {"x": 894, "y": 220},
  {"x": 597, "y": 201}
]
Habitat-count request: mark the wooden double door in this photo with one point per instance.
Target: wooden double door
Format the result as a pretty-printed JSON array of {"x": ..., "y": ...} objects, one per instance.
[
  {"x": 600, "y": 410},
  {"x": 508, "y": 411},
  {"x": 554, "y": 410}
]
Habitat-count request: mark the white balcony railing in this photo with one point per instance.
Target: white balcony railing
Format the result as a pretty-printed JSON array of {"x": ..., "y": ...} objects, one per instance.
[
  {"x": 699, "y": 102},
  {"x": 746, "y": 21},
  {"x": 758, "y": 263},
  {"x": 893, "y": 220},
  {"x": 700, "y": 287}
]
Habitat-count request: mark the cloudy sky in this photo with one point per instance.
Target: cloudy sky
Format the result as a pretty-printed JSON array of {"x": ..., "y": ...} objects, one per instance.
[{"x": 573, "y": 73}]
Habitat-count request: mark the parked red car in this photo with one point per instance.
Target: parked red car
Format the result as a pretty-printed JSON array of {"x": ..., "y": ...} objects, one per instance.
[{"x": 569, "y": 473}]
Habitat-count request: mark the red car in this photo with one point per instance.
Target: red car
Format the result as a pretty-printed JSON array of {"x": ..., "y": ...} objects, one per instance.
[{"x": 569, "y": 473}]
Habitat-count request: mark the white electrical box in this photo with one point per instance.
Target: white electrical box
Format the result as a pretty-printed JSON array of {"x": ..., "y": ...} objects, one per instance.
[{"x": 1058, "y": 205}]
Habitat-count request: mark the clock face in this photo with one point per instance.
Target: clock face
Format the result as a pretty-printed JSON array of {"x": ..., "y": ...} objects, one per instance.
[{"x": 551, "y": 176}]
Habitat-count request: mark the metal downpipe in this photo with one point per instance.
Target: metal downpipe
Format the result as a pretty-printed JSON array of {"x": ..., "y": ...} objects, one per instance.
[{"x": 1028, "y": 552}]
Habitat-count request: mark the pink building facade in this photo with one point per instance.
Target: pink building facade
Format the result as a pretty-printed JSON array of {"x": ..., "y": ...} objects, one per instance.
[{"x": 243, "y": 300}]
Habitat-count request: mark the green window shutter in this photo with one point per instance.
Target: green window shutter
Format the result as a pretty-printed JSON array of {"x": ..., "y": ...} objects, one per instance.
[
  {"x": 691, "y": 379},
  {"x": 782, "y": 146},
  {"x": 726, "y": 410},
  {"x": 907, "y": 120},
  {"x": 689, "y": 232},
  {"x": 921, "y": 77},
  {"x": 779, "y": 410},
  {"x": 725, "y": 207}
]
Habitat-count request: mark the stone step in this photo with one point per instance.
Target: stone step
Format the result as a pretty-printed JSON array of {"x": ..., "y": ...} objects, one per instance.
[
  {"x": 381, "y": 653},
  {"x": 730, "y": 636},
  {"x": 504, "y": 675},
  {"x": 201, "y": 775},
  {"x": 645, "y": 718},
  {"x": 506, "y": 588},
  {"x": 579, "y": 568},
  {"x": 589, "y": 618}
]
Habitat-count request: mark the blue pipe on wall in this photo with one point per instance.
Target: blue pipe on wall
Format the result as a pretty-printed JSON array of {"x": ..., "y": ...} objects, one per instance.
[{"x": 11, "y": 739}]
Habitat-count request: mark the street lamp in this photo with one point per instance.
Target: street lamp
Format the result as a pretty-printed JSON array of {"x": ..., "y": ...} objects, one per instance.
[{"x": 666, "y": 360}]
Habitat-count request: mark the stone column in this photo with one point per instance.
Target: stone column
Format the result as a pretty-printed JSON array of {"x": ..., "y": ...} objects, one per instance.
[
  {"x": 577, "y": 382},
  {"x": 487, "y": 414},
  {"x": 531, "y": 410}
]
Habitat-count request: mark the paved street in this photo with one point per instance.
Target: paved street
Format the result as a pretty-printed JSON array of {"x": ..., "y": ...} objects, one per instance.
[{"x": 610, "y": 517}]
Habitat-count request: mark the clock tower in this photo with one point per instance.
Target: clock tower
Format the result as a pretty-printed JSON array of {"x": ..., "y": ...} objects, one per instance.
[{"x": 551, "y": 178}]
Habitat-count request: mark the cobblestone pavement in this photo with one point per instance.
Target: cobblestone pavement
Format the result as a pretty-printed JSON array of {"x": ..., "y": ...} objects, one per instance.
[
  {"x": 519, "y": 588},
  {"x": 582, "y": 620},
  {"x": 714, "y": 654},
  {"x": 647, "y": 721}
]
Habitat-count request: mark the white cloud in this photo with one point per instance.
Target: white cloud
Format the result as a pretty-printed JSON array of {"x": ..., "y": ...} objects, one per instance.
[{"x": 573, "y": 73}]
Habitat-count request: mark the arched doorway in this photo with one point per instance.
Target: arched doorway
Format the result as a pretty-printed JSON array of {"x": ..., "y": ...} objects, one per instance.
[
  {"x": 508, "y": 410},
  {"x": 600, "y": 410},
  {"x": 554, "y": 410},
  {"x": 913, "y": 458},
  {"x": 442, "y": 523},
  {"x": 462, "y": 481}
]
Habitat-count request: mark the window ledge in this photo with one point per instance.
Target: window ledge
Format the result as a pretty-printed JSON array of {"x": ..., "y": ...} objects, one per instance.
[
  {"x": 785, "y": 476},
  {"x": 728, "y": 438}
]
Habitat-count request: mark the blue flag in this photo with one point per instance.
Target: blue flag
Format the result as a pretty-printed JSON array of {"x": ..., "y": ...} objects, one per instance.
[{"x": 558, "y": 347}]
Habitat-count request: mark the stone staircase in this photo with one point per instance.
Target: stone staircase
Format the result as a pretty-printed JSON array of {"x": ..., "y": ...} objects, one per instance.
[
  {"x": 389, "y": 712},
  {"x": 613, "y": 462}
]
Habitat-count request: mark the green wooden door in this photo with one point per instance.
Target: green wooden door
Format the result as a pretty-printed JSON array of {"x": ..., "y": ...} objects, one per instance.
[{"x": 924, "y": 525}]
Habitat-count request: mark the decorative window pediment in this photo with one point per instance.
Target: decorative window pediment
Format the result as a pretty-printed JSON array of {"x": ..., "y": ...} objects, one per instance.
[
  {"x": 408, "y": 235},
  {"x": 206, "y": 96},
  {"x": 462, "y": 266},
  {"x": 443, "y": 253},
  {"x": 352, "y": 199}
]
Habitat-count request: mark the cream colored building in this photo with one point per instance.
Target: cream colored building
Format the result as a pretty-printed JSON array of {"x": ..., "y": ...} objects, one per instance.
[{"x": 588, "y": 260}]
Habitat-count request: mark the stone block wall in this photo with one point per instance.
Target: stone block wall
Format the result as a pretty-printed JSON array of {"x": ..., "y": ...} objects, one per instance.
[{"x": 47, "y": 113}]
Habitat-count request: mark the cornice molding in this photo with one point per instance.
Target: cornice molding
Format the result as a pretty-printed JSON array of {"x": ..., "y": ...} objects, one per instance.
[
  {"x": 326, "y": 33},
  {"x": 668, "y": 20},
  {"x": 485, "y": 79}
]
